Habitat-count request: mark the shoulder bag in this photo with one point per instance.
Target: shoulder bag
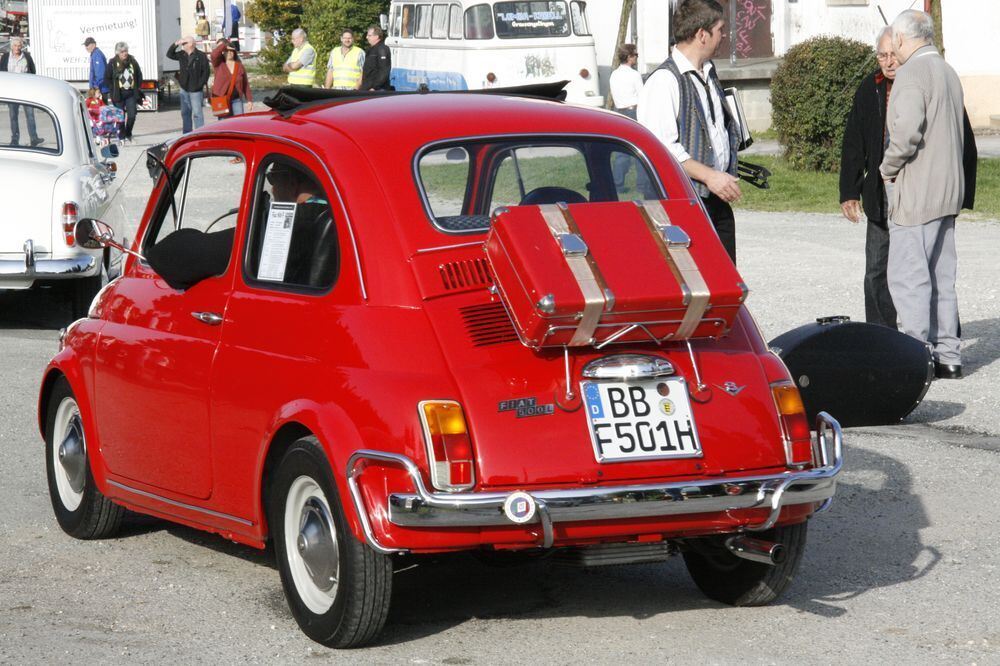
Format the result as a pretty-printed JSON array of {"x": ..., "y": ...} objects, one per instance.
[{"x": 220, "y": 105}]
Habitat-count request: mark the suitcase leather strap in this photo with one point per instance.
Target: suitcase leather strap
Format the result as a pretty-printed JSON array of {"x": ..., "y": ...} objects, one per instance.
[
  {"x": 674, "y": 243},
  {"x": 588, "y": 277}
]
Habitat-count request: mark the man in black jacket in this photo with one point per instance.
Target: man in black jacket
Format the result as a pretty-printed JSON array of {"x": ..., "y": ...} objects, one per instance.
[
  {"x": 865, "y": 139},
  {"x": 378, "y": 62},
  {"x": 192, "y": 77}
]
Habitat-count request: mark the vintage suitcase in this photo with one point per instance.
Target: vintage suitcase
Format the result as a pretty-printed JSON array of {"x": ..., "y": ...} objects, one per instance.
[
  {"x": 602, "y": 273},
  {"x": 862, "y": 374}
]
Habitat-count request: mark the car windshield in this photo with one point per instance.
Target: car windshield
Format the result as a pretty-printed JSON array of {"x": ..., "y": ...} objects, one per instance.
[
  {"x": 28, "y": 127},
  {"x": 463, "y": 182}
]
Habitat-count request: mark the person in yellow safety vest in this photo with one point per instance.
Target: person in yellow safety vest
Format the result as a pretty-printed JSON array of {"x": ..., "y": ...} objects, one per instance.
[
  {"x": 301, "y": 65},
  {"x": 343, "y": 69}
]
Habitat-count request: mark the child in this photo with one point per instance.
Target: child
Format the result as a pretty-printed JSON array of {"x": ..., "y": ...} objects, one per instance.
[{"x": 94, "y": 104}]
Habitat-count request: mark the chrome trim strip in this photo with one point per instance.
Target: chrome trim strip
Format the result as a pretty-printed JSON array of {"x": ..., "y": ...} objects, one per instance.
[
  {"x": 558, "y": 138},
  {"x": 47, "y": 268},
  {"x": 426, "y": 509},
  {"x": 340, "y": 197},
  {"x": 439, "y": 248},
  {"x": 180, "y": 505}
]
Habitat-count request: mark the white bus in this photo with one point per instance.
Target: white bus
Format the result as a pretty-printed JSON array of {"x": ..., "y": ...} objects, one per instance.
[{"x": 467, "y": 45}]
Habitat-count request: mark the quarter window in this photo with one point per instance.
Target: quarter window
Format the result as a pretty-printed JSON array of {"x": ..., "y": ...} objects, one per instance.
[
  {"x": 31, "y": 128},
  {"x": 293, "y": 238},
  {"x": 478, "y": 22},
  {"x": 578, "y": 12}
]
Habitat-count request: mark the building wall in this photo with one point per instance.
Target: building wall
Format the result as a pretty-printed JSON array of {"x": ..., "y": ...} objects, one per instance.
[{"x": 969, "y": 27}]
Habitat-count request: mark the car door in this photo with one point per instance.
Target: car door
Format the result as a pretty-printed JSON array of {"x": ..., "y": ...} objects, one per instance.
[{"x": 155, "y": 355}]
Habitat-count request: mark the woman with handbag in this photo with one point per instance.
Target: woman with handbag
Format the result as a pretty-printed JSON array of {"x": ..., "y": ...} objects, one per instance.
[{"x": 231, "y": 94}]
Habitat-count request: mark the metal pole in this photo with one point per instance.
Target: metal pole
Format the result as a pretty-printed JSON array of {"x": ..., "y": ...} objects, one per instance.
[{"x": 732, "y": 32}]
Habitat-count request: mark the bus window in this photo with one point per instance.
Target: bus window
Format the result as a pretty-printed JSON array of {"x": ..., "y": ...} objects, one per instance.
[
  {"x": 531, "y": 19},
  {"x": 423, "y": 29},
  {"x": 394, "y": 22},
  {"x": 439, "y": 24},
  {"x": 478, "y": 22},
  {"x": 578, "y": 12},
  {"x": 407, "y": 30},
  {"x": 455, "y": 28}
]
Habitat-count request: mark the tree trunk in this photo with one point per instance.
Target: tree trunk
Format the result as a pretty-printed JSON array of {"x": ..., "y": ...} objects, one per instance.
[
  {"x": 933, "y": 7},
  {"x": 626, "y": 14}
]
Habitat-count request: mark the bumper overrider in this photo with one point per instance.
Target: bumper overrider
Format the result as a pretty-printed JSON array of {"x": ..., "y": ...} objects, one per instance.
[
  {"x": 546, "y": 507},
  {"x": 31, "y": 267}
]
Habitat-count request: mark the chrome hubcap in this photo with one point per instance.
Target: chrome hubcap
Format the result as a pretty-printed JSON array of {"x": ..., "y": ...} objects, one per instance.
[
  {"x": 316, "y": 544},
  {"x": 72, "y": 456}
]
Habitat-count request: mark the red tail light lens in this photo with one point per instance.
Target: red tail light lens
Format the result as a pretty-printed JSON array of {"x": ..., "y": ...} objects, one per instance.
[
  {"x": 449, "y": 448},
  {"x": 584, "y": 73},
  {"x": 794, "y": 424},
  {"x": 70, "y": 214}
]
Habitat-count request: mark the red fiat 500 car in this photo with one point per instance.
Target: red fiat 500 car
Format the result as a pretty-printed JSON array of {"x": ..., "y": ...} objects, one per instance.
[{"x": 407, "y": 324}]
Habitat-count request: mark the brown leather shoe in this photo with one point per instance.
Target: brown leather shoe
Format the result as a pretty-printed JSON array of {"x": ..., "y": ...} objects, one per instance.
[{"x": 944, "y": 371}]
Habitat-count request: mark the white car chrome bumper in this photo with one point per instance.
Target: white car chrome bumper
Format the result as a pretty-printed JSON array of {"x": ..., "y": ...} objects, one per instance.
[{"x": 20, "y": 273}]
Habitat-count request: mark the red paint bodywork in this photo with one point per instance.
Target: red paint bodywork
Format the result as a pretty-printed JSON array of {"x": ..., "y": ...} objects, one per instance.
[{"x": 184, "y": 415}]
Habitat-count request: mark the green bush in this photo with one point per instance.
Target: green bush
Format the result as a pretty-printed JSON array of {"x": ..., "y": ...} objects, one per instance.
[
  {"x": 273, "y": 56},
  {"x": 811, "y": 95}
]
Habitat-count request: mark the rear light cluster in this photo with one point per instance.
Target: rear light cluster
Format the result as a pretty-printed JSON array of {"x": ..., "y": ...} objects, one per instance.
[
  {"x": 794, "y": 424},
  {"x": 70, "y": 214},
  {"x": 449, "y": 447}
]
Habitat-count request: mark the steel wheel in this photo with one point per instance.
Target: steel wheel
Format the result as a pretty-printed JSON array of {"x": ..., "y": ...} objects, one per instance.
[
  {"x": 311, "y": 544},
  {"x": 70, "y": 456}
]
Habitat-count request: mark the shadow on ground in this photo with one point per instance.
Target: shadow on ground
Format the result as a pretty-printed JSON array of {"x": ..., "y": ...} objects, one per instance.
[{"x": 44, "y": 308}]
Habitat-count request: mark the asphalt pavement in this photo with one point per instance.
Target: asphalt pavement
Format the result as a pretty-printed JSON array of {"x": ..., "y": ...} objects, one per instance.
[{"x": 903, "y": 568}]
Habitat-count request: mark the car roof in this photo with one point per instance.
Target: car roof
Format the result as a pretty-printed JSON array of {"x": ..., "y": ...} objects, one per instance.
[{"x": 55, "y": 94}]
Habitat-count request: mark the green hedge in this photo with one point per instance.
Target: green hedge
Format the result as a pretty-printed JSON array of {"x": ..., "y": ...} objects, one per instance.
[{"x": 811, "y": 95}]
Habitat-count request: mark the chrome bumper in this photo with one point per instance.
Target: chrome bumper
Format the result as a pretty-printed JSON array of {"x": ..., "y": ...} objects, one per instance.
[
  {"x": 427, "y": 509},
  {"x": 29, "y": 267}
]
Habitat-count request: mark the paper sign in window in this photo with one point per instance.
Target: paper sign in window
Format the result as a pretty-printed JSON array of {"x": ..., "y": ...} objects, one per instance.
[{"x": 277, "y": 239}]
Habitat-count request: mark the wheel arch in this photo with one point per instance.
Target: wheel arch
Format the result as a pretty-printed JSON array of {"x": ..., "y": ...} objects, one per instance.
[{"x": 52, "y": 375}]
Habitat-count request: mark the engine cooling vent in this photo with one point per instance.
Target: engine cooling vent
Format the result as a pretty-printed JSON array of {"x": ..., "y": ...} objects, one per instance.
[
  {"x": 488, "y": 324},
  {"x": 465, "y": 273}
]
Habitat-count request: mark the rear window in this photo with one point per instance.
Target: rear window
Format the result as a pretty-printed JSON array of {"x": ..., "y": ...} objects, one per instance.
[
  {"x": 531, "y": 19},
  {"x": 31, "y": 128},
  {"x": 462, "y": 183}
]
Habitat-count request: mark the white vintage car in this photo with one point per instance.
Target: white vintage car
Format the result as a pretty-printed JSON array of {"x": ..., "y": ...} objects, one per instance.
[{"x": 51, "y": 174}]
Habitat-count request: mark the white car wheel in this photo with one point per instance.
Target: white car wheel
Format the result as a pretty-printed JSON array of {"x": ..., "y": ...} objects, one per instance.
[
  {"x": 70, "y": 455},
  {"x": 311, "y": 544}
]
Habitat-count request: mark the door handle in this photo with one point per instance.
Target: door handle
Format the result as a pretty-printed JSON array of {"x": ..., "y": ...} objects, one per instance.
[{"x": 210, "y": 318}]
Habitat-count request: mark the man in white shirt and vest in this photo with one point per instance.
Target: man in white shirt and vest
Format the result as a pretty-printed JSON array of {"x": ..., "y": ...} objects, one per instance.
[
  {"x": 682, "y": 103},
  {"x": 301, "y": 65},
  {"x": 343, "y": 69}
]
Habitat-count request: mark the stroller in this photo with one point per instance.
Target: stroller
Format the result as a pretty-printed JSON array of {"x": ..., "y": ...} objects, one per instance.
[{"x": 108, "y": 125}]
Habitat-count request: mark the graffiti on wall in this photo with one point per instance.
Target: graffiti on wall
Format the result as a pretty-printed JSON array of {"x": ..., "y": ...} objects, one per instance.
[{"x": 751, "y": 29}]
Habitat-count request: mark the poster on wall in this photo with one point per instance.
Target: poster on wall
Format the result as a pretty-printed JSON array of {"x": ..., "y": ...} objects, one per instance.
[{"x": 66, "y": 26}]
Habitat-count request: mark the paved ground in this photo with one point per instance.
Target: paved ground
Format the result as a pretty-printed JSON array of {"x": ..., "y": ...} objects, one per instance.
[{"x": 901, "y": 570}]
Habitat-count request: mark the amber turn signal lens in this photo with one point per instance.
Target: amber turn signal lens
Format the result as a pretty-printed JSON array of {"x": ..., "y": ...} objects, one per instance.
[{"x": 444, "y": 418}]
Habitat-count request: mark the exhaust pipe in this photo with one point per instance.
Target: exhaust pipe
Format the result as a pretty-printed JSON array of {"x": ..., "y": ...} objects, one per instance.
[{"x": 756, "y": 550}]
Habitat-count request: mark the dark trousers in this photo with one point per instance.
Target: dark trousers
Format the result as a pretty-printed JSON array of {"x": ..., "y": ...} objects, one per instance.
[
  {"x": 127, "y": 103},
  {"x": 879, "y": 308},
  {"x": 721, "y": 214}
]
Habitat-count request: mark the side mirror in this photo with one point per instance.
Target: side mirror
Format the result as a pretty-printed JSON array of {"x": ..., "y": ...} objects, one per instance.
[
  {"x": 92, "y": 234},
  {"x": 110, "y": 151},
  {"x": 383, "y": 21}
]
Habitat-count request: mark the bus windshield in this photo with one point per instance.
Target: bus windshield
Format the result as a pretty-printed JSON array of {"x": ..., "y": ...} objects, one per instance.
[{"x": 531, "y": 19}]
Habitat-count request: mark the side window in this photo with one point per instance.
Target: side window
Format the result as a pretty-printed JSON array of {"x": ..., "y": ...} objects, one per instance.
[
  {"x": 479, "y": 22},
  {"x": 578, "y": 12},
  {"x": 293, "y": 238},
  {"x": 423, "y": 30},
  {"x": 540, "y": 175},
  {"x": 455, "y": 25},
  {"x": 208, "y": 195},
  {"x": 407, "y": 27},
  {"x": 88, "y": 133},
  {"x": 394, "y": 21},
  {"x": 439, "y": 27}
]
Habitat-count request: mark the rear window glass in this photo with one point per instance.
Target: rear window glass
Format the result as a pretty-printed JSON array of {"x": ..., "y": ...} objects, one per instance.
[
  {"x": 464, "y": 182},
  {"x": 30, "y": 127},
  {"x": 531, "y": 19}
]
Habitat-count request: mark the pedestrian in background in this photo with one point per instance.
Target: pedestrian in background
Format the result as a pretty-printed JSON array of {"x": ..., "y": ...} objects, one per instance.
[
  {"x": 18, "y": 61},
  {"x": 98, "y": 66},
  {"x": 682, "y": 104},
  {"x": 378, "y": 62},
  {"x": 301, "y": 65},
  {"x": 344, "y": 66},
  {"x": 925, "y": 184},
  {"x": 626, "y": 84},
  {"x": 234, "y": 29},
  {"x": 192, "y": 75},
  {"x": 865, "y": 139},
  {"x": 123, "y": 77},
  {"x": 231, "y": 79}
]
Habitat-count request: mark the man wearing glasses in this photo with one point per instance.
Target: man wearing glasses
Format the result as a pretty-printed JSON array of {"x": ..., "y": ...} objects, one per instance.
[{"x": 865, "y": 139}]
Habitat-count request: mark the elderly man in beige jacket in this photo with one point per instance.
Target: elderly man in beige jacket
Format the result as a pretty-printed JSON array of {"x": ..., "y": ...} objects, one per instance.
[{"x": 925, "y": 183}]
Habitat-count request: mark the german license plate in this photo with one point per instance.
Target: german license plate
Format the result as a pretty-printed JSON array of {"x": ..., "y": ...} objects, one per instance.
[{"x": 641, "y": 420}]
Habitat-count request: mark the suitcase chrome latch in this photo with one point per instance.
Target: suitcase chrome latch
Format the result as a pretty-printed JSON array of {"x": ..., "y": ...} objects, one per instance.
[{"x": 572, "y": 245}]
